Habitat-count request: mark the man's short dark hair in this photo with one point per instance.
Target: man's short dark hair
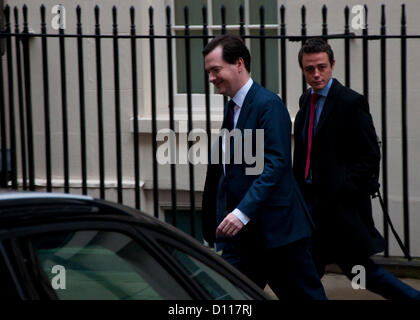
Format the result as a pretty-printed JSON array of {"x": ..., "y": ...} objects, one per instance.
[
  {"x": 233, "y": 49},
  {"x": 316, "y": 45}
]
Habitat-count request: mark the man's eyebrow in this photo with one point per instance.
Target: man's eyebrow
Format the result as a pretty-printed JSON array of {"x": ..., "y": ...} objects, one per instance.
[{"x": 212, "y": 68}]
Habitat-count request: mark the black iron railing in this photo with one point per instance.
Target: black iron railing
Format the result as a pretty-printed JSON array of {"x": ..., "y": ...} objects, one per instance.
[{"x": 15, "y": 75}]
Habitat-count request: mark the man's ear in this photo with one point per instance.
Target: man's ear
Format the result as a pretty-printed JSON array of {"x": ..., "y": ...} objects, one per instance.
[
  {"x": 240, "y": 63},
  {"x": 332, "y": 64}
]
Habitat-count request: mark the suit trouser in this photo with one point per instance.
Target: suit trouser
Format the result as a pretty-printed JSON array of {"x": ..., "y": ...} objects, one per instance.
[
  {"x": 378, "y": 280},
  {"x": 289, "y": 270}
]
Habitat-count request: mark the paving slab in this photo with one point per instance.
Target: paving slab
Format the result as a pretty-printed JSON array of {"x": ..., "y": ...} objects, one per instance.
[{"x": 338, "y": 287}]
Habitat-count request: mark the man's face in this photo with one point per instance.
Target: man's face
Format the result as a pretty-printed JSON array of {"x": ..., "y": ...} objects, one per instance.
[
  {"x": 317, "y": 69},
  {"x": 223, "y": 75}
]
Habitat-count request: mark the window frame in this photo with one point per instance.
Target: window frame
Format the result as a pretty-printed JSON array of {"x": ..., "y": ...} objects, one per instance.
[{"x": 216, "y": 100}]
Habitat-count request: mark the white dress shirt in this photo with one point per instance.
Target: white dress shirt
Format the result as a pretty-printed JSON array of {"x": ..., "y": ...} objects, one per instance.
[{"x": 239, "y": 99}]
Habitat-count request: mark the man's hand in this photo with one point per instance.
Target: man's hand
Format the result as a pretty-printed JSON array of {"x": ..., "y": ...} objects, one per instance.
[{"x": 229, "y": 227}]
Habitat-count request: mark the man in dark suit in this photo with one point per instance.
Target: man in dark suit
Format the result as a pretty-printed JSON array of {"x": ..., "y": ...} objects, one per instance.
[
  {"x": 257, "y": 219},
  {"x": 336, "y": 164}
]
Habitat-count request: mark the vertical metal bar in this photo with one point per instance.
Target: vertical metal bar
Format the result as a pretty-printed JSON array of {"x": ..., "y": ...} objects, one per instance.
[
  {"x": 100, "y": 106},
  {"x": 347, "y": 46},
  {"x": 190, "y": 124},
  {"x": 64, "y": 111},
  {"x": 241, "y": 21},
  {"x": 384, "y": 130},
  {"x": 365, "y": 57},
  {"x": 171, "y": 112},
  {"x": 135, "y": 108},
  {"x": 11, "y": 100},
  {"x": 223, "y": 16},
  {"x": 262, "y": 47},
  {"x": 303, "y": 32},
  {"x": 46, "y": 99},
  {"x": 283, "y": 54},
  {"x": 404, "y": 128},
  {"x": 117, "y": 104},
  {"x": 154, "y": 124},
  {"x": 4, "y": 169},
  {"x": 206, "y": 82},
  {"x": 21, "y": 102},
  {"x": 81, "y": 99},
  {"x": 324, "y": 22},
  {"x": 28, "y": 96}
]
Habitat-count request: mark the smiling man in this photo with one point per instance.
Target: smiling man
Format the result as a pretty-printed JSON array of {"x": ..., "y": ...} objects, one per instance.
[
  {"x": 259, "y": 222},
  {"x": 336, "y": 163}
]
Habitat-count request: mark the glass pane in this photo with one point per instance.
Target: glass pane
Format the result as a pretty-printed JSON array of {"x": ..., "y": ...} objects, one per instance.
[
  {"x": 183, "y": 222},
  {"x": 271, "y": 61},
  {"x": 210, "y": 280},
  {"x": 270, "y": 11},
  {"x": 102, "y": 265},
  {"x": 195, "y": 11},
  {"x": 218, "y": 32},
  {"x": 197, "y": 64},
  {"x": 232, "y": 11}
]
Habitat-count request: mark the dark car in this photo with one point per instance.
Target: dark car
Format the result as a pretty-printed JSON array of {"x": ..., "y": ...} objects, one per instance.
[{"x": 60, "y": 246}]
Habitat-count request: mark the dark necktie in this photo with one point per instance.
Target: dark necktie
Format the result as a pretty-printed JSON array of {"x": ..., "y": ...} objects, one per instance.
[
  {"x": 314, "y": 99},
  {"x": 230, "y": 115}
]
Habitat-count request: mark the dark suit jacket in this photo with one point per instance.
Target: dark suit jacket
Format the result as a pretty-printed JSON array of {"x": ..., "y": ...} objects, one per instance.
[
  {"x": 271, "y": 199},
  {"x": 344, "y": 158}
]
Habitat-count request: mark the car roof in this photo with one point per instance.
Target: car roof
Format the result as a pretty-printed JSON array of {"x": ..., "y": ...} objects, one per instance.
[
  {"x": 32, "y": 207},
  {"x": 10, "y": 196},
  {"x": 38, "y": 205},
  {"x": 19, "y": 208}
]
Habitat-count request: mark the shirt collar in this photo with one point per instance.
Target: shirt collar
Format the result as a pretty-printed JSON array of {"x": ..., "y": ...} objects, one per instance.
[
  {"x": 239, "y": 97},
  {"x": 324, "y": 91}
]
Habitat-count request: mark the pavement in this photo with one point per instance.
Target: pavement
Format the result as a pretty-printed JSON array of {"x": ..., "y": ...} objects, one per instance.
[{"x": 338, "y": 287}]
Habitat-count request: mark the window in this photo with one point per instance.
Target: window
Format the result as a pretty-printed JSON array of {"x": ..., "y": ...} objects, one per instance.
[
  {"x": 104, "y": 265},
  {"x": 252, "y": 26},
  {"x": 183, "y": 222}
]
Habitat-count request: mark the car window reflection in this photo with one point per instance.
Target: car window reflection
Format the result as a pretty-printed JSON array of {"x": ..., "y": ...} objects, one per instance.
[
  {"x": 214, "y": 283},
  {"x": 103, "y": 265}
]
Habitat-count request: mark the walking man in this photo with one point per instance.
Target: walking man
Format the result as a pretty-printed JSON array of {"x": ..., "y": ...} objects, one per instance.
[
  {"x": 336, "y": 164},
  {"x": 258, "y": 221}
]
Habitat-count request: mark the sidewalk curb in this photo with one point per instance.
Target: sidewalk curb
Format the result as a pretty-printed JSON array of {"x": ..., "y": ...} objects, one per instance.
[{"x": 400, "y": 267}]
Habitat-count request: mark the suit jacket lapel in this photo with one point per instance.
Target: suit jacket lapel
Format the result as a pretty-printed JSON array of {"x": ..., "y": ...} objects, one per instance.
[{"x": 247, "y": 106}]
